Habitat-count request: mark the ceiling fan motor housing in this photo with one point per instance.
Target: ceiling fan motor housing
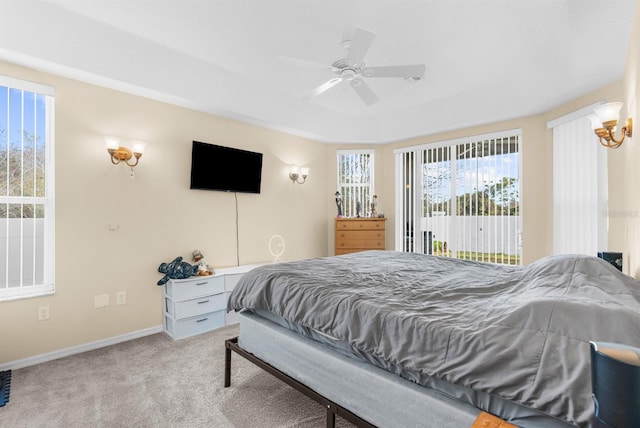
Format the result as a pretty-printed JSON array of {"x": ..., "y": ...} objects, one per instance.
[{"x": 347, "y": 69}]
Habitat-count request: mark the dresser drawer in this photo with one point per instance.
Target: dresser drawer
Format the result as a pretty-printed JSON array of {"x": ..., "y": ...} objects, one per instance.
[
  {"x": 190, "y": 288},
  {"x": 201, "y": 305},
  {"x": 340, "y": 251},
  {"x": 195, "y": 325},
  {"x": 368, "y": 244},
  {"x": 360, "y": 225},
  {"x": 362, "y": 234}
]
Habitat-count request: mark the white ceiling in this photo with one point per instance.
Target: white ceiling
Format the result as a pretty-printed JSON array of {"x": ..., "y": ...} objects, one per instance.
[{"x": 485, "y": 60}]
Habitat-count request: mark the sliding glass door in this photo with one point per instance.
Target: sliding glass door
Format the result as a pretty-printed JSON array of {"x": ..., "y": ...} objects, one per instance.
[{"x": 461, "y": 198}]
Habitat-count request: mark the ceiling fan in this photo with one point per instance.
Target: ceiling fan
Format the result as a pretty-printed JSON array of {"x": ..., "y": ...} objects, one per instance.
[{"x": 352, "y": 69}]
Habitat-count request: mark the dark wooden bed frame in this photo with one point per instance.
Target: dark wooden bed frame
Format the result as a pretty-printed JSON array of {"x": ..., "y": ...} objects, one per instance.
[{"x": 333, "y": 409}]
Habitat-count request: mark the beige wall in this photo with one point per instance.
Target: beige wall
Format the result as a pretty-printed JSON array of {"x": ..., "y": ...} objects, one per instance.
[
  {"x": 159, "y": 217},
  {"x": 626, "y": 221}
]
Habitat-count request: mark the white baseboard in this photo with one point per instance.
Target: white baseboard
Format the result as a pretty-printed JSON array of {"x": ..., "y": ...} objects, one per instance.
[{"x": 84, "y": 347}]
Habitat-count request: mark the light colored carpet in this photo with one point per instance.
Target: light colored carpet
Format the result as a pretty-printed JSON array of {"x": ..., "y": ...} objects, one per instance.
[{"x": 156, "y": 382}]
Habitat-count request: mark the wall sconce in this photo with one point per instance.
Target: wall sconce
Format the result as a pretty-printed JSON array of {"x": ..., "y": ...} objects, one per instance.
[
  {"x": 119, "y": 153},
  {"x": 296, "y": 171},
  {"x": 604, "y": 123}
]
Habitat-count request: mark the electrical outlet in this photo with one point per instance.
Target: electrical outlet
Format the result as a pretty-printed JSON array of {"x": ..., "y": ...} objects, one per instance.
[
  {"x": 43, "y": 313},
  {"x": 121, "y": 297},
  {"x": 100, "y": 301}
]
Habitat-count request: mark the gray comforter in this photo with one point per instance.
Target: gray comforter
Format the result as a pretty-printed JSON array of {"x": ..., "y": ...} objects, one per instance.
[{"x": 520, "y": 333}]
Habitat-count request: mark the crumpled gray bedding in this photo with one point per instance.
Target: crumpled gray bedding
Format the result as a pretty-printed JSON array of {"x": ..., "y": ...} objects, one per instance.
[{"x": 520, "y": 333}]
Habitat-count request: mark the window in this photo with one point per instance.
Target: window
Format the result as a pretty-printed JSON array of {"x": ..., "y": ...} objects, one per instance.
[
  {"x": 26, "y": 189},
  {"x": 579, "y": 186},
  {"x": 355, "y": 181},
  {"x": 461, "y": 198}
]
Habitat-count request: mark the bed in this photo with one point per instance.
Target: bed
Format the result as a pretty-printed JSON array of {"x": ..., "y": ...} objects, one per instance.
[{"x": 403, "y": 339}]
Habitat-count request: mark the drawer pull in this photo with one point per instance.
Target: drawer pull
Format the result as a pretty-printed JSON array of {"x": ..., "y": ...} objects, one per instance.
[
  {"x": 201, "y": 283},
  {"x": 203, "y": 319},
  {"x": 204, "y": 301}
]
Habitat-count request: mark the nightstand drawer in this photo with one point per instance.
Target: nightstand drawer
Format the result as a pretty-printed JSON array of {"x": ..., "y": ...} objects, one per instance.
[
  {"x": 190, "y": 288},
  {"x": 195, "y": 325},
  {"x": 201, "y": 305}
]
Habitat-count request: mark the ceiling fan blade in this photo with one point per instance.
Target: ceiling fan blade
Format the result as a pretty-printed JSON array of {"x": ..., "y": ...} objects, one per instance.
[
  {"x": 416, "y": 70},
  {"x": 364, "y": 91},
  {"x": 306, "y": 64},
  {"x": 360, "y": 44},
  {"x": 322, "y": 88}
]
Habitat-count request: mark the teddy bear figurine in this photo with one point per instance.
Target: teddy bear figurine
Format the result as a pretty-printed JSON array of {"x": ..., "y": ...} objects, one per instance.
[
  {"x": 176, "y": 269},
  {"x": 203, "y": 268}
]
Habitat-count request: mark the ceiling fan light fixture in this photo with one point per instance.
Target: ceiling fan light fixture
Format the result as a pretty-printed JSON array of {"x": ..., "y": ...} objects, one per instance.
[{"x": 348, "y": 74}]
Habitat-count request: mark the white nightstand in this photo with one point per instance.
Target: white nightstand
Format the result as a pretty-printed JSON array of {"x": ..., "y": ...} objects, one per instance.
[
  {"x": 194, "y": 305},
  {"x": 199, "y": 304}
]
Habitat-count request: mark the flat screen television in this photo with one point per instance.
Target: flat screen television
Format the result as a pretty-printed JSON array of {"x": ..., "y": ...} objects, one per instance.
[{"x": 225, "y": 169}]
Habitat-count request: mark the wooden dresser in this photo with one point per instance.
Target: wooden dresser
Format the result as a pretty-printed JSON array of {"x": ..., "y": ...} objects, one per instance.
[{"x": 359, "y": 234}]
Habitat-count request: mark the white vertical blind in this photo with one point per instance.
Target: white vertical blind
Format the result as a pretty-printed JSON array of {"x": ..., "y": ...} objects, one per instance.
[
  {"x": 355, "y": 181},
  {"x": 461, "y": 198},
  {"x": 579, "y": 188}
]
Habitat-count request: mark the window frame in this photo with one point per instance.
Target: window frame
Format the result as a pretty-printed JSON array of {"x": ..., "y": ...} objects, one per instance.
[
  {"x": 47, "y": 286},
  {"x": 349, "y": 210}
]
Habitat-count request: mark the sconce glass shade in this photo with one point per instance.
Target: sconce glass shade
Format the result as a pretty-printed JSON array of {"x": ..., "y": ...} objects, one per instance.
[
  {"x": 138, "y": 147},
  {"x": 295, "y": 172},
  {"x": 595, "y": 122},
  {"x": 111, "y": 143},
  {"x": 608, "y": 113}
]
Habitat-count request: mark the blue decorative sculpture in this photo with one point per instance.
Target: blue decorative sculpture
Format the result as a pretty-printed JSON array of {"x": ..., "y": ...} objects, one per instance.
[{"x": 177, "y": 269}]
